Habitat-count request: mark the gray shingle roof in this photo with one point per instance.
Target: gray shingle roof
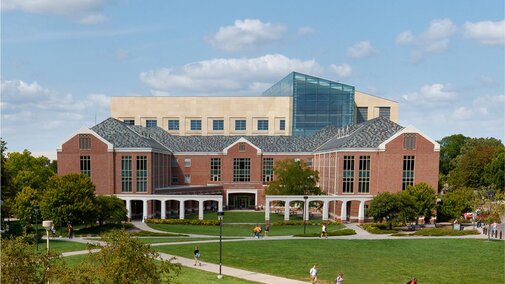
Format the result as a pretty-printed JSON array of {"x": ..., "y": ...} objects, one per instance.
[{"x": 369, "y": 134}]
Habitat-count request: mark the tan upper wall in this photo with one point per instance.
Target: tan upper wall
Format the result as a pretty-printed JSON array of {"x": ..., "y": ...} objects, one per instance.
[
  {"x": 373, "y": 103},
  {"x": 207, "y": 109}
]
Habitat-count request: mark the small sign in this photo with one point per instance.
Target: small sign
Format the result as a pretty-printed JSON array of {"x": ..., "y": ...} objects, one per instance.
[{"x": 456, "y": 227}]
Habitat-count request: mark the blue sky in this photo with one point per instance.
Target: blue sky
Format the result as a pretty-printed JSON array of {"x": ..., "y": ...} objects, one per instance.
[{"x": 61, "y": 61}]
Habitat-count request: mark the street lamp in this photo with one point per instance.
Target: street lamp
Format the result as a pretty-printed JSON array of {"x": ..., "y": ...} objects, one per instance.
[
  {"x": 47, "y": 225},
  {"x": 220, "y": 215},
  {"x": 304, "y": 213},
  {"x": 36, "y": 208}
]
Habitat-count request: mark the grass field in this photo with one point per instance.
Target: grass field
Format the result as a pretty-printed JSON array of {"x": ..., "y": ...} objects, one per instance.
[
  {"x": 364, "y": 261},
  {"x": 241, "y": 230},
  {"x": 61, "y": 246},
  {"x": 248, "y": 217},
  {"x": 170, "y": 240}
]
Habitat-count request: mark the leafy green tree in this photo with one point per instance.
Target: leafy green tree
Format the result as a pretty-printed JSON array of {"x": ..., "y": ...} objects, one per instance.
[
  {"x": 293, "y": 178},
  {"x": 23, "y": 204},
  {"x": 494, "y": 172},
  {"x": 5, "y": 192},
  {"x": 470, "y": 165},
  {"x": 69, "y": 198},
  {"x": 124, "y": 259},
  {"x": 424, "y": 199},
  {"x": 21, "y": 264},
  {"x": 385, "y": 206},
  {"x": 111, "y": 209},
  {"x": 450, "y": 148},
  {"x": 455, "y": 203}
]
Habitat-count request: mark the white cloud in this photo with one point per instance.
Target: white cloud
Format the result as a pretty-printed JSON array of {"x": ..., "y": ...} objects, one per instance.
[
  {"x": 462, "y": 113},
  {"x": 238, "y": 76},
  {"x": 431, "y": 94},
  {"x": 361, "y": 49},
  {"x": 434, "y": 39},
  {"x": 85, "y": 11},
  {"x": 246, "y": 34},
  {"x": 305, "y": 31},
  {"x": 342, "y": 71},
  {"x": 486, "y": 32}
]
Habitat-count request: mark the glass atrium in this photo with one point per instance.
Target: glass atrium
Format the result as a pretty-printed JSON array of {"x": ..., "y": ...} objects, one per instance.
[{"x": 316, "y": 102}]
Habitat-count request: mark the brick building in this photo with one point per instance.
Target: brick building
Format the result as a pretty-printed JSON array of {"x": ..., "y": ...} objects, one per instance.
[{"x": 140, "y": 164}]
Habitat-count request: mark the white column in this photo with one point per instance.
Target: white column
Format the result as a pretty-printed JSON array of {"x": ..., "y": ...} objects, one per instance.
[
  {"x": 200, "y": 210},
  {"x": 181, "y": 209},
  {"x": 307, "y": 208},
  {"x": 220, "y": 205},
  {"x": 325, "y": 210},
  {"x": 343, "y": 211},
  {"x": 361, "y": 213},
  {"x": 128, "y": 209},
  {"x": 267, "y": 210},
  {"x": 286, "y": 210},
  {"x": 163, "y": 209},
  {"x": 144, "y": 210}
]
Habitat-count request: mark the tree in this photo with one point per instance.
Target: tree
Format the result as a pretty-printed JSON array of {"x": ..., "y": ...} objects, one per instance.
[
  {"x": 386, "y": 206},
  {"x": 23, "y": 204},
  {"x": 110, "y": 209},
  {"x": 124, "y": 259},
  {"x": 450, "y": 148},
  {"x": 4, "y": 193},
  {"x": 294, "y": 178},
  {"x": 455, "y": 203},
  {"x": 470, "y": 165},
  {"x": 424, "y": 199},
  {"x": 69, "y": 198},
  {"x": 494, "y": 172}
]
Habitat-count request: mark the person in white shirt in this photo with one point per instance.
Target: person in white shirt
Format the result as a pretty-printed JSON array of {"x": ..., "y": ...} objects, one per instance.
[
  {"x": 313, "y": 274},
  {"x": 340, "y": 278}
]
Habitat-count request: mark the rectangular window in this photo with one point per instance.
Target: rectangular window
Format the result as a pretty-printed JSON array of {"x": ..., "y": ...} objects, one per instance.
[
  {"x": 175, "y": 163},
  {"x": 129, "y": 121},
  {"x": 409, "y": 141},
  {"x": 385, "y": 112},
  {"x": 142, "y": 174},
  {"x": 196, "y": 124},
  {"x": 126, "y": 174},
  {"x": 187, "y": 162},
  {"x": 309, "y": 162},
  {"x": 408, "y": 171},
  {"x": 361, "y": 114},
  {"x": 173, "y": 124},
  {"x": 218, "y": 124},
  {"x": 364, "y": 174},
  {"x": 348, "y": 174},
  {"x": 268, "y": 169},
  {"x": 215, "y": 169},
  {"x": 262, "y": 124},
  {"x": 175, "y": 179},
  {"x": 240, "y": 125},
  {"x": 151, "y": 123},
  {"x": 84, "y": 141},
  {"x": 86, "y": 165},
  {"x": 282, "y": 124},
  {"x": 187, "y": 178},
  {"x": 241, "y": 169}
]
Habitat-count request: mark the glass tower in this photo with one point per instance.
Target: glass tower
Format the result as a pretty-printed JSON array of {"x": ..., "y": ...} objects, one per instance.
[{"x": 316, "y": 102}]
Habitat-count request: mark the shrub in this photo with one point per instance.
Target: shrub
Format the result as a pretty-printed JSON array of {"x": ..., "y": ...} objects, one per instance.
[
  {"x": 97, "y": 230},
  {"x": 444, "y": 232},
  {"x": 377, "y": 229},
  {"x": 183, "y": 222},
  {"x": 342, "y": 232}
]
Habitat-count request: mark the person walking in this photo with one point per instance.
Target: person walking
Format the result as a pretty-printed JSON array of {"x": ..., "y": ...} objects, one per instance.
[
  {"x": 313, "y": 274},
  {"x": 340, "y": 278},
  {"x": 70, "y": 231},
  {"x": 197, "y": 257},
  {"x": 267, "y": 230},
  {"x": 323, "y": 231}
]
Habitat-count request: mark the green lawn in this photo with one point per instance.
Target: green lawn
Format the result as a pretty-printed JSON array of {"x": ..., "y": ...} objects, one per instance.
[
  {"x": 246, "y": 217},
  {"x": 241, "y": 230},
  {"x": 170, "y": 240},
  {"x": 364, "y": 261},
  {"x": 61, "y": 246}
]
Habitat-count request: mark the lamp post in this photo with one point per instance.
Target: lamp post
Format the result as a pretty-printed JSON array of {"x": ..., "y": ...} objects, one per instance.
[
  {"x": 36, "y": 208},
  {"x": 220, "y": 215},
  {"x": 47, "y": 225},
  {"x": 304, "y": 213}
]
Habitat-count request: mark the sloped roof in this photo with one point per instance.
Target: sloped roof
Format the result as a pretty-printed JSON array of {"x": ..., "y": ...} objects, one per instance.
[{"x": 369, "y": 134}]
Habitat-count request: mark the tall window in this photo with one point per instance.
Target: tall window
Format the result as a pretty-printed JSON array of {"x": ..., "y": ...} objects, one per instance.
[
  {"x": 408, "y": 171},
  {"x": 218, "y": 124},
  {"x": 241, "y": 169},
  {"x": 361, "y": 114},
  {"x": 187, "y": 178},
  {"x": 173, "y": 124},
  {"x": 175, "y": 163},
  {"x": 84, "y": 141},
  {"x": 86, "y": 165},
  {"x": 385, "y": 112},
  {"x": 268, "y": 169},
  {"x": 309, "y": 162},
  {"x": 364, "y": 174},
  {"x": 348, "y": 174},
  {"x": 187, "y": 162},
  {"x": 142, "y": 174},
  {"x": 126, "y": 174},
  {"x": 151, "y": 123},
  {"x": 282, "y": 124},
  {"x": 196, "y": 124},
  {"x": 215, "y": 169},
  {"x": 240, "y": 124},
  {"x": 409, "y": 141},
  {"x": 262, "y": 124},
  {"x": 129, "y": 121}
]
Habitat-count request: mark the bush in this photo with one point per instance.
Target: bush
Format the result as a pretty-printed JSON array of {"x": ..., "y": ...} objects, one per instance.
[
  {"x": 97, "y": 230},
  {"x": 342, "y": 232},
  {"x": 434, "y": 232},
  {"x": 183, "y": 222},
  {"x": 378, "y": 229}
]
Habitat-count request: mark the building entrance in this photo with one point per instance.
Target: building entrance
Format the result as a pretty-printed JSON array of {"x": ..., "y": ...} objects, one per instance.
[{"x": 241, "y": 201}]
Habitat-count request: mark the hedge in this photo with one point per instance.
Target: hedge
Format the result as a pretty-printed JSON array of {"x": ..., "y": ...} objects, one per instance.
[
  {"x": 184, "y": 222},
  {"x": 377, "y": 229},
  {"x": 342, "y": 232}
]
